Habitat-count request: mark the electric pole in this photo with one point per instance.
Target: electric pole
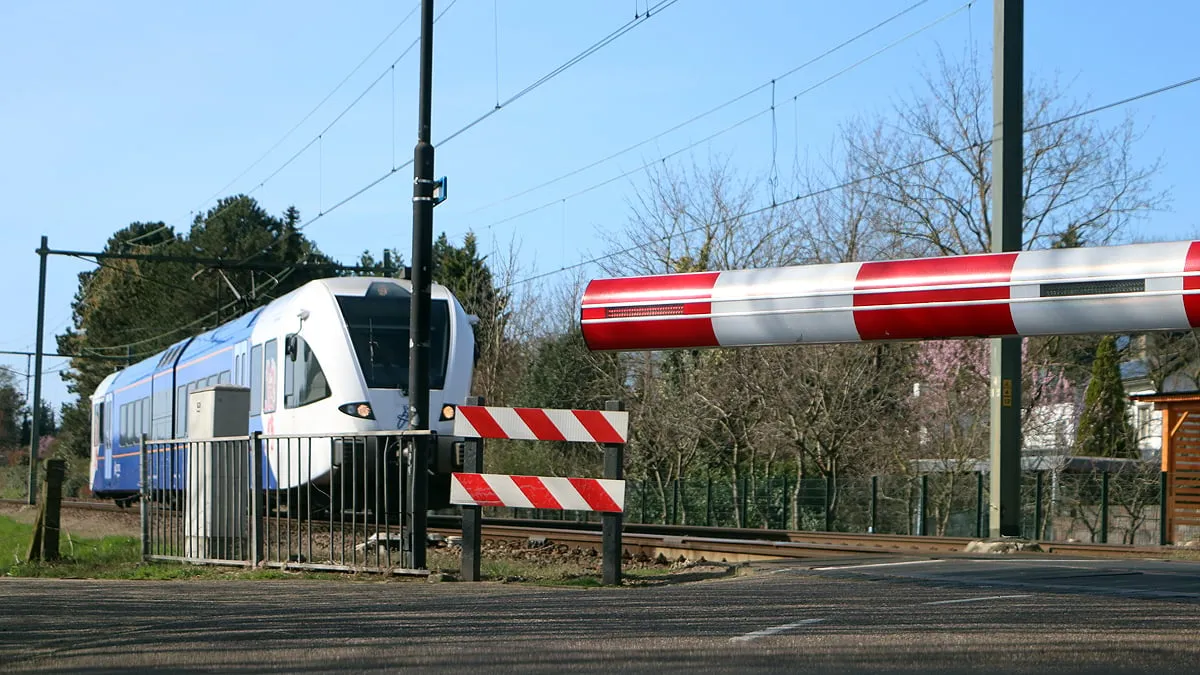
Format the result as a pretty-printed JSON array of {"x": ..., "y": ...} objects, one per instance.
[
  {"x": 422, "y": 253},
  {"x": 35, "y": 422},
  {"x": 1004, "y": 510}
]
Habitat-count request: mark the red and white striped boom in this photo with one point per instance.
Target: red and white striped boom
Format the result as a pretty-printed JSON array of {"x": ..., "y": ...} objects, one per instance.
[
  {"x": 1137, "y": 287},
  {"x": 537, "y": 492},
  {"x": 541, "y": 424}
]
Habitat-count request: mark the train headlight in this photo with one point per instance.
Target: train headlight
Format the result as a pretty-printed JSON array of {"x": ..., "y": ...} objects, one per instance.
[
  {"x": 359, "y": 410},
  {"x": 448, "y": 412}
]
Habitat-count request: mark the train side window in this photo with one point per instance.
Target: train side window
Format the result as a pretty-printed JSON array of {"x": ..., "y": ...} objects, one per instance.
[
  {"x": 123, "y": 432},
  {"x": 256, "y": 379},
  {"x": 97, "y": 423},
  {"x": 270, "y": 383},
  {"x": 181, "y": 410},
  {"x": 303, "y": 380}
]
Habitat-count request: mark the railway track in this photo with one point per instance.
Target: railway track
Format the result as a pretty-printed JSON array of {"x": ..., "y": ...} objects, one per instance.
[{"x": 714, "y": 543}]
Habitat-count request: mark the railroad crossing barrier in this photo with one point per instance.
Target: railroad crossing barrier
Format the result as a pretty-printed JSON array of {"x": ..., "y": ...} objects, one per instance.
[{"x": 474, "y": 489}]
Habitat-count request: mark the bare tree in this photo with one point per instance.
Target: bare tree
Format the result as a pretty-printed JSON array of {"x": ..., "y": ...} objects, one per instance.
[{"x": 1082, "y": 183}]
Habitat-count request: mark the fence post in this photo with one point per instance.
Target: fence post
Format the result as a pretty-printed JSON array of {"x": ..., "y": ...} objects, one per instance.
[
  {"x": 784, "y": 502},
  {"x": 979, "y": 504},
  {"x": 144, "y": 494},
  {"x": 472, "y": 516},
  {"x": 829, "y": 502},
  {"x": 923, "y": 507},
  {"x": 1164, "y": 537},
  {"x": 642, "y": 485},
  {"x": 55, "y": 469},
  {"x": 1104, "y": 508},
  {"x": 675, "y": 501},
  {"x": 708, "y": 509},
  {"x": 1037, "y": 505},
  {"x": 874, "y": 525},
  {"x": 614, "y": 469},
  {"x": 745, "y": 517},
  {"x": 257, "y": 500}
]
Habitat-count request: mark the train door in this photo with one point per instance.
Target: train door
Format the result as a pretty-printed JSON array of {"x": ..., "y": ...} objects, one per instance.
[
  {"x": 254, "y": 379},
  {"x": 240, "y": 369},
  {"x": 107, "y": 438}
]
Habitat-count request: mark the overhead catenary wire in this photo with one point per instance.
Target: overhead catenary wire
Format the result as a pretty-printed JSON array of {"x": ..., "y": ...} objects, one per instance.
[
  {"x": 316, "y": 139},
  {"x": 746, "y": 120},
  {"x": 315, "y": 108},
  {"x": 259, "y": 289},
  {"x": 592, "y": 49},
  {"x": 852, "y": 182},
  {"x": 297, "y": 125},
  {"x": 740, "y": 97},
  {"x": 606, "y": 40}
]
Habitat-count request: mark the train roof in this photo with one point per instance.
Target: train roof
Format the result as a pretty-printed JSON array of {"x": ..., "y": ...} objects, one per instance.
[
  {"x": 226, "y": 333},
  {"x": 237, "y": 330}
]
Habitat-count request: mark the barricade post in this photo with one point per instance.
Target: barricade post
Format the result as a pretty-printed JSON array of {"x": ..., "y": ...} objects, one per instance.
[
  {"x": 609, "y": 428},
  {"x": 614, "y": 469},
  {"x": 472, "y": 516}
]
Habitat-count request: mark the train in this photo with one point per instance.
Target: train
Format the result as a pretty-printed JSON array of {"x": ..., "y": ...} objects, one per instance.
[
  {"x": 328, "y": 358},
  {"x": 1105, "y": 289}
]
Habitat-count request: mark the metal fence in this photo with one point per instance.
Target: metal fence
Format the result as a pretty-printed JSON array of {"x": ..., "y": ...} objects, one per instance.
[
  {"x": 333, "y": 503},
  {"x": 1120, "y": 506}
]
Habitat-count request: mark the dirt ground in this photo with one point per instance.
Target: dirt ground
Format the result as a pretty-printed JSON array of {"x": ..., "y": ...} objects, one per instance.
[{"x": 82, "y": 523}]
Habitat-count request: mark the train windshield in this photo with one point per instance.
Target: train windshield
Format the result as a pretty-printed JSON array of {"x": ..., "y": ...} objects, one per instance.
[{"x": 378, "y": 326}]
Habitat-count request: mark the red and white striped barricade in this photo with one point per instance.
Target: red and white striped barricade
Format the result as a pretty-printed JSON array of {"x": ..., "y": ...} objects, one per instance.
[
  {"x": 1112, "y": 289},
  {"x": 542, "y": 424},
  {"x": 537, "y": 492},
  {"x": 606, "y": 496}
]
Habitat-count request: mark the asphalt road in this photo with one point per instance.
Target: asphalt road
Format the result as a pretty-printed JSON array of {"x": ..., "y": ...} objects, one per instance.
[{"x": 997, "y": 615}]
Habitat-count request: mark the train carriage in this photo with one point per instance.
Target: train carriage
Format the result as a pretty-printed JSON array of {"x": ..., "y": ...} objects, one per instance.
[{"x": 329, "y": 358}]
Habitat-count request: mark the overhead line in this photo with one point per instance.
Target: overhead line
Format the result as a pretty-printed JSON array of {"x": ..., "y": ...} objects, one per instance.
[
  {"x": 729, "y": 128},
  {"x": 854, "y": 181},
  {"x": 538, "y": 83},
  {"x": 317, "y": 107},
  {"x": 340, "y": 115},
  {"x": 702, "y": 115}
]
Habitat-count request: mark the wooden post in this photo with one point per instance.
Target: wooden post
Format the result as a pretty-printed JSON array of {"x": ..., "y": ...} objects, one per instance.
[{"x": 44, "y": 545}]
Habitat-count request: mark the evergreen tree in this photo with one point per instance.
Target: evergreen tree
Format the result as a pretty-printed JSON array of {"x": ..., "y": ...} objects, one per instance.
[
  {"x": 128, "y": 310},
  {"x": 1104, "y": 429}
]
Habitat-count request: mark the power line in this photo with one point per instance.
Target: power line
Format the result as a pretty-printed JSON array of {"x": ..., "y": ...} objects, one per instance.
[
  {"x": 608, "y": 39},
  {"x": 317, "y": 107},
  {"x": 257, "y": 290},
  {"x": 854, "y": 181},
  {"x": 315, "y": 139},
  {"x": 723, "y": 131},
  {"x": 704, "y": 114}
]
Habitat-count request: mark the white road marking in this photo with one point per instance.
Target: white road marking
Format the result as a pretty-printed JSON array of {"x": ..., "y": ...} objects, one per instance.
[
  {"x": 983, "y": 599},
  {"x": 857, "y": 567},
  {"x": 773, "y": 630}
]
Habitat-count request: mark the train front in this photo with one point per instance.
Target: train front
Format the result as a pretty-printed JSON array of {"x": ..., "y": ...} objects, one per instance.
[{"x": 370, "y": 384}]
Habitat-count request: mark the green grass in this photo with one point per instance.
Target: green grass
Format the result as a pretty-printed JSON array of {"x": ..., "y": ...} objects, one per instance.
[{"x": 116, "y": 558}]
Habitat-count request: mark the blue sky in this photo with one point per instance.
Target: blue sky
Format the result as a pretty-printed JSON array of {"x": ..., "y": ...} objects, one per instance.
[{"x": 124, "y": 111}]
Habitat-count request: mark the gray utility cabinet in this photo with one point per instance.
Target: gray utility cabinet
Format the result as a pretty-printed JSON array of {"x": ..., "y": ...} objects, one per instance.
[{"x": 218, "y": 473}]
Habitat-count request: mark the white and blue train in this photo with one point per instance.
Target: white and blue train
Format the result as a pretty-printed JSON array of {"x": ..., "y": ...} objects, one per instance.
[{"x": 329, "y": 358}]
